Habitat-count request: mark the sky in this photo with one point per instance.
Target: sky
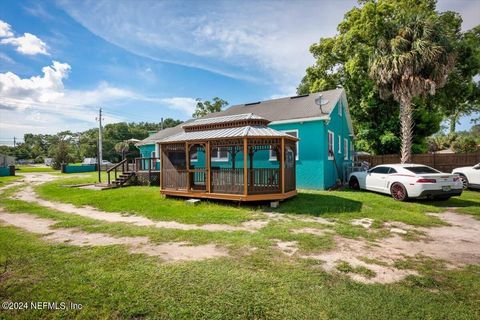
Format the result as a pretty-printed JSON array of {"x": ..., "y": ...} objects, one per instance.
[{"x": 60, "y": 61}]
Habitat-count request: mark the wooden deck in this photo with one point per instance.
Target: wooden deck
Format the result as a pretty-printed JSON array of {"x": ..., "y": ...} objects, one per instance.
[{"x": 229, "y": 196}]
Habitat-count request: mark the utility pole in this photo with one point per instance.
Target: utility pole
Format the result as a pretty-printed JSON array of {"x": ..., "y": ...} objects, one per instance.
[
  {"x": 161, "y": 124},
  {"x": 100, "y": 154},
  {"x": 14, "y": 142}
]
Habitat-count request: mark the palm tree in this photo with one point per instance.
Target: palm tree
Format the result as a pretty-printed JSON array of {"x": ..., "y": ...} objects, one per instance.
[
  {"x": 414, "y": 62},
  {"x": 121, "y": 148}
]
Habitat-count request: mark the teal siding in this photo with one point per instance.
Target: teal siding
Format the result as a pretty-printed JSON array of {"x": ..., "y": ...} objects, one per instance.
[
  {"x": 334, "y": 169},
  {"x": 310, "y": 162},
  {"x": 314, "y": 169},
  {"x": 146, "y": 150}
]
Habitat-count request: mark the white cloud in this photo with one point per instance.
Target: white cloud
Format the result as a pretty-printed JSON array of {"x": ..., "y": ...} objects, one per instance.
[
  {"x": 184, "y": 104},
  {"x": 28, "y": 44},
  {"x": 5, "y": 30},
  {"x": 42, "y": 104},
  {"x": 264, "y": 42}
]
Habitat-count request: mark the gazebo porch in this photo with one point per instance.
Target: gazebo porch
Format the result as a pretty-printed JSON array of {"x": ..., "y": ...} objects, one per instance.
[{"x": 187, "y": 169}]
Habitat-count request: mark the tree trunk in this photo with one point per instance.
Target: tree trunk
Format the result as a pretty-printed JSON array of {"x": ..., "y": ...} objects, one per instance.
[
  {"x": 406, "y": 123},
  {"x": 453, "y": 122}
]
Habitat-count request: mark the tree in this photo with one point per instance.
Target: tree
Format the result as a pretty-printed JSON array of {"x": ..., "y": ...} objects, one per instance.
[
  {"x": 205, "y": 107},
  {"x": 412, "y": 62},
  {"x": 344, "y": 61},
  {"x": 121, "y": 148},
  {"x": 461, "y": 94},
  {"x": 61, "y": 154}
]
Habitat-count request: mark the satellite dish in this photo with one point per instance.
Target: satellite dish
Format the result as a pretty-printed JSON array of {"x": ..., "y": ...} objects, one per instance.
[{"x": 319, "y": 101}]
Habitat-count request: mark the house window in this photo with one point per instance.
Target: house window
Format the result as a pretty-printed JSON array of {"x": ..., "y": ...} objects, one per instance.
[
  {"x": 331, "y": 145},
  {"x": 152, "y": 154},
  {"x": 194, "y": 155},
  {"x": 340, "y": 109},
  {"x": 220, "y": 154},
  {"x": 339, "y": 144},
  {"x": 157, "y": 152},
  {"x": 294, "y": 133},
  {"x": 345, "y": 149}
]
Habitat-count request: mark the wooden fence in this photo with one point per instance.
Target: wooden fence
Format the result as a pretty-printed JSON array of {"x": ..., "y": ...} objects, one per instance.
[{"x": 444, "y": 162}]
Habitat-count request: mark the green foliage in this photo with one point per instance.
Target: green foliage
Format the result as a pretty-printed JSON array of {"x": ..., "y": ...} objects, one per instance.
[
  {"x": 345, "y": 59},
  {"x": 61, "y": 154},
  {"x": 466, "y": 141},
  {"x": 84, "y": 144},
  {"x": 205, "y": 107}
]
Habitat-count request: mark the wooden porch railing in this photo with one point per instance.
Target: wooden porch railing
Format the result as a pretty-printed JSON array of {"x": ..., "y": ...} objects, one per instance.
[
  {"x": 263, "y": 180},
  {"x": 225, "y": 180},
  {"x": 122, "y": 165},
  {"x": 147, "y": 164}
]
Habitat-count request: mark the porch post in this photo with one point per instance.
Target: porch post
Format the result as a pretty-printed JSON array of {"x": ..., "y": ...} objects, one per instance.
[
  {"x": 282, "y": 164},
  {"x": 187, "y": 165},
  {"x": 208, "y": 165},
  {"x": 245, "y": 164},
  {"x": 161, "y": 166}
]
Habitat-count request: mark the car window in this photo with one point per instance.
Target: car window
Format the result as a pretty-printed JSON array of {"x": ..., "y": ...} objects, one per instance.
[
  {"x": 421, "y": 170},
  {"x": 380, "y": 170},
  {"x": 392, "y": 171}
]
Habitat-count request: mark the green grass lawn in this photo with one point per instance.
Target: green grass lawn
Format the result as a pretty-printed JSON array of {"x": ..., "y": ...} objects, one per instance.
[
  {"x": 25, "y": 168},
  {"x": 7, "y": 179},
  {"x": 111, "y": 283}
]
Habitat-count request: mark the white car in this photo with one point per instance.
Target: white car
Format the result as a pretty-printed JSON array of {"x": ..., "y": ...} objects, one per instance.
[
  {"x": 404, "y": 181},
  {"x": 470, "y": 176}
]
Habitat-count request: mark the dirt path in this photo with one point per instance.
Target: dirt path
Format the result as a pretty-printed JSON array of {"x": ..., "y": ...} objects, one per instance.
[
  {"x": 28, "y": 194},
  {"x": 171, "y": 251},
  {"x": 458, "y": 244}
]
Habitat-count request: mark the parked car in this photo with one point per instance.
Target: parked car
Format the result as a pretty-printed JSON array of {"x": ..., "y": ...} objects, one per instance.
[
  {"x": 88, "y": 161},
  {"x": 470, "y": 176},
  {"x": 404, "y": 181}
]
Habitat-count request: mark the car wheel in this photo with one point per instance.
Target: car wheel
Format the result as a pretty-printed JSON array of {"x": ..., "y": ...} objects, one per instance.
[
  {"x": 464, "y": 181},
  {"x": 398, "y": 192},
  {"x": 354, "y": 184}
]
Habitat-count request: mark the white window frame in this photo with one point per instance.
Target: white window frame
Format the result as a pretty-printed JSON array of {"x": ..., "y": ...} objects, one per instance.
[
  {"x": 352, "y": 149},
  {"x": 330, "y": 157},
  {"x": 190, "y": 155},
  {"x": 152, "y": 154},
  {"x": 345, "y": 149},
  {"x": 339, "y": 144},
  {"x": 157, "y": 152},
  {"x": 273, "y": 157},
  {"x": 217, "y": 158}
]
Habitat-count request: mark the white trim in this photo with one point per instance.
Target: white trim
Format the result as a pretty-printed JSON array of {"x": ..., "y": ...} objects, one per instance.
[
  {"x": 339, "y": 144},
  {"x": 345, "y": 149},
  {"x": 325, "y": 118},
  {"x": 330, "y": 157},
  {"x": 274, "y": 158},
  {"x": 340, "y": 107},
  {"x": 218, "y": 158},
  {"x": 157, "y": 152}
]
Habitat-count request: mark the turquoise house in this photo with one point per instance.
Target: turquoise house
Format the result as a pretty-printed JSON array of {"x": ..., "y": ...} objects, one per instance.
[{"x": 321, "y": 121}]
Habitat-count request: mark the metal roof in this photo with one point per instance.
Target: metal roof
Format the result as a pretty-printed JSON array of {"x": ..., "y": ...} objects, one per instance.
[
  {"x": 237, "y": 132},
  {"x": 283, "y": 109},
  {"x": 223, "y": 119}
]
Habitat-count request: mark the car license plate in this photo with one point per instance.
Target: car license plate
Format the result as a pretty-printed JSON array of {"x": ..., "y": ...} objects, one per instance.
[{"x": 446, "y": 188}]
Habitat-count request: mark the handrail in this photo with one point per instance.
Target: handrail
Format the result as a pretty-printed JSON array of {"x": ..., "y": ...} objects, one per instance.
[{"x": 114, "y": 168}]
